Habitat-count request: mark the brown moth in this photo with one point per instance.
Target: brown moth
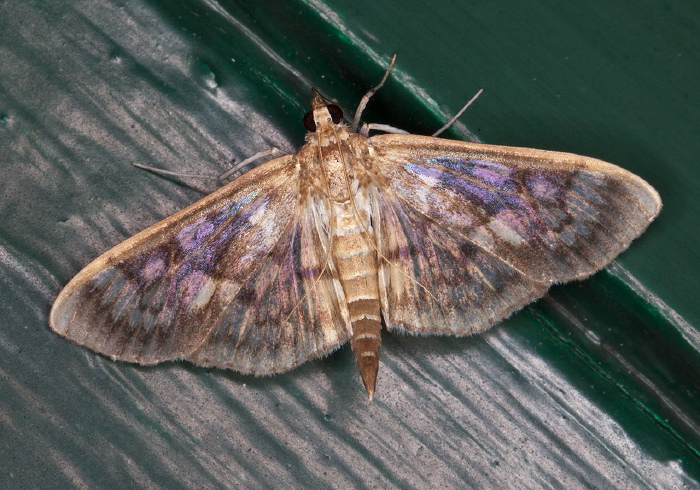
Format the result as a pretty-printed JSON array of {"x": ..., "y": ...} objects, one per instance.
[{"x": 307, "y": 251}]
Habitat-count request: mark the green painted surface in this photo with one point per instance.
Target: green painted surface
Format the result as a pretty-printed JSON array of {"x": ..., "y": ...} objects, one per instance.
[{"x": 596, "y": 384}]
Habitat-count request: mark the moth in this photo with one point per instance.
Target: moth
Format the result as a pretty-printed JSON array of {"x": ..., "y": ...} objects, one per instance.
[{"x": 305, "y": 252}]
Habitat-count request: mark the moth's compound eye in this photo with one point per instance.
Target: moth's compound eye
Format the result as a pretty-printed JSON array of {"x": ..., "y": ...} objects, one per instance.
[
  {"x": 309, "y": 122},
  {"x": 336, "y": 113}
]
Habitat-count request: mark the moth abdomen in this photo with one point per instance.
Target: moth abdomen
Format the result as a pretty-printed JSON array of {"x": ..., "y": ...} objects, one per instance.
[
  {"x": 365, "y": 342},
  {"x": 355, "y": 258}
]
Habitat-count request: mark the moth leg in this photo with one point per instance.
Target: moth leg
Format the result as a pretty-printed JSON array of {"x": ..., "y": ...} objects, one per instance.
[{"x": 369, "y": 94}]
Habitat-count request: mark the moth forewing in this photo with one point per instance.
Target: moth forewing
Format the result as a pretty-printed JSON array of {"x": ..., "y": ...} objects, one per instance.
[
  {"x": 165, "y": 293},
  {"x": 554, "y": 216}
]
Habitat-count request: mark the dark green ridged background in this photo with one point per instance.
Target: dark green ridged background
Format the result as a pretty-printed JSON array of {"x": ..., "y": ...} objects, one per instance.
[{"x": 595, "y": 385}]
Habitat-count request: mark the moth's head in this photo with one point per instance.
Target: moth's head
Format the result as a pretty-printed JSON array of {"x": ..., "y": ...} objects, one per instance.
[{"x": 322, "y": 113}]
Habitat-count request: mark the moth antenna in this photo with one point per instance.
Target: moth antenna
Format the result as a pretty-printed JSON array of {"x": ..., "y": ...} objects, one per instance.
[
  {"x": 273, "y": 152},
  {"x": 457, "y": 116},
  {"x": 369, "y": 94},
  {"x": 366, "y": 128},
  {"x": 175, "y": 174}
]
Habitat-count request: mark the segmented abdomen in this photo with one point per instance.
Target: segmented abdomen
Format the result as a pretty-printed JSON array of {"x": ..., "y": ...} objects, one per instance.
[{"x": 355, "y": 257}]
